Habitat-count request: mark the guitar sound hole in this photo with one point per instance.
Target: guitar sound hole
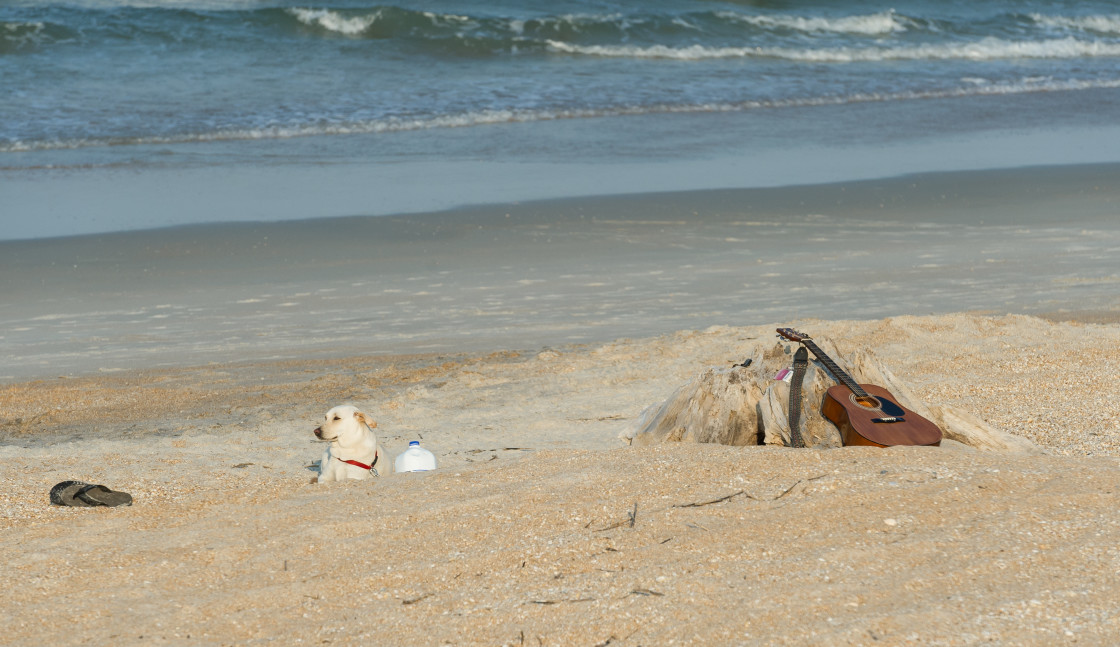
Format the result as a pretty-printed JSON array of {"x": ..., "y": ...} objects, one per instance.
[{"x": 874, "y": 403}]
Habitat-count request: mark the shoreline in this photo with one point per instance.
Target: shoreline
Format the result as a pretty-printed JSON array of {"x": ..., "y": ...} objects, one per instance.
[
  {"x": 945, "y": 196},
  {"x": 280, "y": 180},
  {"x": 540, "y": 274}
]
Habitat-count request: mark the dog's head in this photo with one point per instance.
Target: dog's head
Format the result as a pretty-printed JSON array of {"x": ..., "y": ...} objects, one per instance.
[{"x": 344, "y": 425}]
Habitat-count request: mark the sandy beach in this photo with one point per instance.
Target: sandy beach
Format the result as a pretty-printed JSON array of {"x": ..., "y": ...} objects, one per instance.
[{"x": 540, "y": 527}]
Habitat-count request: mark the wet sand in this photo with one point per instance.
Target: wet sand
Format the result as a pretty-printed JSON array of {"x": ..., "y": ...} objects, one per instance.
[{"x": 526, "y": 276}]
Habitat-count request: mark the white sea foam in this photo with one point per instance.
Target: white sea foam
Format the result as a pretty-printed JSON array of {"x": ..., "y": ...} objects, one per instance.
[
  {"x": 334, "y": 21},
  {"x": 982, "y": 50},
  {"x": 681, "y": 22},
  {"x": 973, "y": 86},
  {"x": 23, "y": 34},
  {"x": 1109, "y": 24},
  {"x": 444, "y": 18},
  {"x": 884, "y": 22},
  {"x": 23, "y": 26}
]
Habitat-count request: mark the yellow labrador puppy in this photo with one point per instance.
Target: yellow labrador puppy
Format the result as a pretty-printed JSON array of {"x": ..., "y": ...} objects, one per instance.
[{"x": 353, "y": 452}]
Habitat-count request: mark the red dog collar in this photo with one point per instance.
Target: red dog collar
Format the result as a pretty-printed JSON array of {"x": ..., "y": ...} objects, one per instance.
[{"x": 362, "y": 465}]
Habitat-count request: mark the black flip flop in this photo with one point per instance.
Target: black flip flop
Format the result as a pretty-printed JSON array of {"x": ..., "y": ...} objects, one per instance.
[{"x": 79, "y": 494}]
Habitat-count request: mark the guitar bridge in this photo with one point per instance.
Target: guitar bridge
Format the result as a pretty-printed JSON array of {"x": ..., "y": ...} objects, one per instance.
[{"x": 889, "y": 419}]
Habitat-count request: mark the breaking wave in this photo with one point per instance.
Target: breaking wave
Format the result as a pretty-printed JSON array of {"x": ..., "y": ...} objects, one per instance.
[
  {"x": 27, "y": 36},
  {"x": 419, "y": 23},
  {"x": 987, "y": 49},
  {"x": 1107, "y": 24},
  {"x": 333, "y": 21},
  {"x": 884, "y": 22},
  {"x": 690, "y": 35}
]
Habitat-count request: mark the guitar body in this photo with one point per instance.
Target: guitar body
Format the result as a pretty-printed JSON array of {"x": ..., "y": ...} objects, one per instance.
[
  {"x": 866, "y": 414},
  {"x": 855, "y": 416}
]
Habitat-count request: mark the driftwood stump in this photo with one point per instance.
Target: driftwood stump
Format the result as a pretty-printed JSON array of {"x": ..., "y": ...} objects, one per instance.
[{"x": 747, "y": 406}]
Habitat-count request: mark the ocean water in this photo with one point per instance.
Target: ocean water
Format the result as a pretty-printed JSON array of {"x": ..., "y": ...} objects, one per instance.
[
  {"x": 123, "y": 114},
  {"x": 128, "y": 115}
]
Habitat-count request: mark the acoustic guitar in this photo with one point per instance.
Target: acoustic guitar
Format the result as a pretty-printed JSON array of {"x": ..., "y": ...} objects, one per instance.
[{"x": 866, "y": 414}]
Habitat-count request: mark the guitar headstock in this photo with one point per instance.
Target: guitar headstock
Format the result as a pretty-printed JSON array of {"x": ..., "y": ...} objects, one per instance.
[{"x": 793, "y": 335}]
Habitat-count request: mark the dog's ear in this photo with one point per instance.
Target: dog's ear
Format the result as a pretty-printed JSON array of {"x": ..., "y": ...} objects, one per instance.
[{"x": 365, "y": 419}]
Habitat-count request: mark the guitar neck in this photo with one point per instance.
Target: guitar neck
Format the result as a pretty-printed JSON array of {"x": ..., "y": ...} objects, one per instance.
[{"x": 840, "y": 373}]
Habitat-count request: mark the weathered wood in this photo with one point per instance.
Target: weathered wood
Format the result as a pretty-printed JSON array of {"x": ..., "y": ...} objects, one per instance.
[
  {"x": 747, "y": 406},
  {"x": 716, "y": 407},
  {"x": 966, "y": 428}
]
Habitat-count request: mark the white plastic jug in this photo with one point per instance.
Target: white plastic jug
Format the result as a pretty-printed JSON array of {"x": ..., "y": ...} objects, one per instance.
[{"x": 415, "y": 459}]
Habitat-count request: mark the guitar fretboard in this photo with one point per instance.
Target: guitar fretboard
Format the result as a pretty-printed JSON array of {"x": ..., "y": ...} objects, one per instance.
[{"x": 840, "y": 373}]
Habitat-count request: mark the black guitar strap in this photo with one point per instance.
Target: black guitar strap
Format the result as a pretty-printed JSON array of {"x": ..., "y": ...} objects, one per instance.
[{"x": 800, "y": 363}]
